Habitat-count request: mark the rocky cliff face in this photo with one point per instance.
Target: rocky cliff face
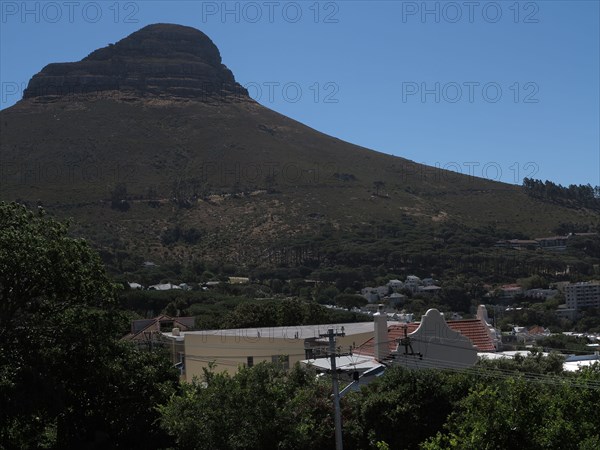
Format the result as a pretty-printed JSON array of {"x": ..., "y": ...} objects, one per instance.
[{"x": 159, "y": 60}]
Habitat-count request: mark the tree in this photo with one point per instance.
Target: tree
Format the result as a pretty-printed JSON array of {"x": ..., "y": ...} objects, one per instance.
[
  {"x": 402, "y": 408},
  {"x": 66, "y": 381},
  {"x": 260, "y": 407},
  {"x": 378, "y": 185},
  {"x": 350, "y": 301},
  {"x": 533, "y": 413}
]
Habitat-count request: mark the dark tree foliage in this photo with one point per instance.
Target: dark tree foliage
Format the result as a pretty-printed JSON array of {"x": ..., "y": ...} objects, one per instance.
[
  {"x": 576, "y": 195},
  {"x": 176, "y": 234},
  {"x": 524, "y": 403},
  {"x": 402, "y": 409},
  {"x": 262, "y": 407},
  {"x": 66, "y": 381},
  {"x": 558, "y": 413}
]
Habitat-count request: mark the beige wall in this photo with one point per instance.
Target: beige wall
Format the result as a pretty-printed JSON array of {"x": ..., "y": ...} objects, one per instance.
[{"x": 230, "y": 352}]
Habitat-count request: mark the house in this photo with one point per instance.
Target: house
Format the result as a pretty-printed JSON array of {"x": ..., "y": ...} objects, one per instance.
[
  {"x": 566, "y": 313},
  {"x": 509, "y": 291},
  {"x": 210, "y": 284},
  {"x": 239, "y": 280},
  {"x": 430, "y": 343},
  {"x": 185, "y": 287},
  {"x": 412, "y": 283},
  {"x": 159, "y": 324},
  {"x": 370, "y": 294},
  {"x": 429, "y": 290},
  {"x": 537, "y": 332},
  {"x": 429, "y": 282},
  {"x": 553, "y": 243},
  {"x": 395, "y": 285},
  {"x": 479, "y": 333},
  {"x": 396, "y": 299},
  {"x": 541, "y": 294},
  {"x": 149, "y": 332},
  {"x": 382, "y": 291},
  {"x": 163, "y": 287},
  {"x": 531, "y": 334}
]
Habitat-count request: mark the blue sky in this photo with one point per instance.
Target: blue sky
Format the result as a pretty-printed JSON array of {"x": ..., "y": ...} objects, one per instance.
[{"x": 500, "y": 89}]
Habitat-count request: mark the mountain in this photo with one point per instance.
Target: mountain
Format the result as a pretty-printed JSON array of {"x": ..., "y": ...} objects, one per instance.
[{"x": 152, "y": 147}]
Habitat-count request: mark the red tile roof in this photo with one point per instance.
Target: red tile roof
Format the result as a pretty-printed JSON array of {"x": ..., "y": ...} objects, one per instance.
[
  {"x": 477, "y": 331},
  {"x": 536, "y": 329},
  {"x": 474, "y": 329}
]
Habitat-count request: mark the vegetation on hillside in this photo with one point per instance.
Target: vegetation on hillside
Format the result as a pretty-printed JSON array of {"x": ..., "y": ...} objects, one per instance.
[
  {"x": 575, "y": 196},
  {"x": 67, "y": 381}
]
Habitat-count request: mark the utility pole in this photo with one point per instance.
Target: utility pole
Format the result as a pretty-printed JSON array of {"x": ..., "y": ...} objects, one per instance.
[{"x": 339, "y": 445}]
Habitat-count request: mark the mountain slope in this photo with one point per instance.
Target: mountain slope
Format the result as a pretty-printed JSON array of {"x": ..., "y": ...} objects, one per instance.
[{"x": 159, "y": 116}]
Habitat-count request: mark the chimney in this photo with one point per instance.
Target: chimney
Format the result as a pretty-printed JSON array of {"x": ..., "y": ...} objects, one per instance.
[
  {"x": 482, "y": 314},
  {"x": 176, "y": 332},
  {"x": 381, "y": 335}
]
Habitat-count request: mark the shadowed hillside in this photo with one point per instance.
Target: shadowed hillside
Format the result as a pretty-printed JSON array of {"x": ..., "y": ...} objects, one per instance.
[{"x": 153, "y": 132}]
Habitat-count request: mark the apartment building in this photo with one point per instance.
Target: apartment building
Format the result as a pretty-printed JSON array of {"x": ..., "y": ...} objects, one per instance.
[{"x": 582, "y": 295}]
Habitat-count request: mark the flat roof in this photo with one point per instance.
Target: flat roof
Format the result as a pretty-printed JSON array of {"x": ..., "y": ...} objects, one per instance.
[
  {"x": 289, "y": 332},
  {"x": 345, "y": 363},
  {"x": 574, "y": 366}
]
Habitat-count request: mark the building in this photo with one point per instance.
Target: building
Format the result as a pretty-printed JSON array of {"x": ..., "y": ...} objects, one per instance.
[
  {"x": 566, "y": 313},
  {"x": 431, "y": 343},
  {"x": 582, "y": 295},
  {"x": 509, "y": 291},
  {"x": 553, "y": 243},
  {"x": 395, "y": 285},
  {"x": 227, "y": 350},
  {"x": 478, "y": 332},
  {"x": 371, "y": 294},
  {"x": 541, "y": 294},
  {"x": 163, "y": 287},
  {"x": 412, "y": 283},
  {"x": 148, "y": 333},
  {"x": 395, "y": 299},
  {"x": 518, "y": 244},
  {"x": 429, "y": 290}
]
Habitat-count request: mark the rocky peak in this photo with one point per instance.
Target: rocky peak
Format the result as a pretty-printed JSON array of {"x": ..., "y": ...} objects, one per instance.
[{"x": 159, "y": 60}]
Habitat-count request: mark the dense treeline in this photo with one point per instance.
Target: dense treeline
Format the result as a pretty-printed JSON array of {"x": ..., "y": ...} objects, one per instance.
[
  {"x": 222, "y": 310},
  {"x": 357, "y": 256},
  {"x": 576, "y": 195},
  {"x": 526, "y": 403}
]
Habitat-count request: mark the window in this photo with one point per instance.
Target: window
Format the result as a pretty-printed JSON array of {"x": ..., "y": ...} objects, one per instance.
[{"x": 250, "y": 361}]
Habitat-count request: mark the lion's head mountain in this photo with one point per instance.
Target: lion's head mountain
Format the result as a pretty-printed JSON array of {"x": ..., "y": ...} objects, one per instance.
[{"x": 154, "y": 133}]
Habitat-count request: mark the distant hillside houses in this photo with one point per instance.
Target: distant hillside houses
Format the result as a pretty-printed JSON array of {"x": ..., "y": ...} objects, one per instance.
[
  {"x": 558, "y": 243},
  {"x": 392, "y": 291},
  {"x": 186, "y": 286},
  {"x": 168, "y": 287},
  {"x": 541, "y": 294}
]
